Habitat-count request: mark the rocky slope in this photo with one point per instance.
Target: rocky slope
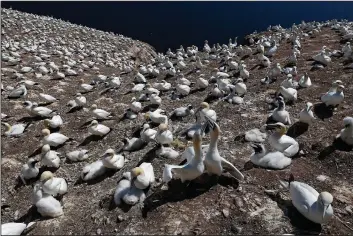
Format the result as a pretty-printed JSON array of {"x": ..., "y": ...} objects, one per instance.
[{"x": 228, "y": 207}]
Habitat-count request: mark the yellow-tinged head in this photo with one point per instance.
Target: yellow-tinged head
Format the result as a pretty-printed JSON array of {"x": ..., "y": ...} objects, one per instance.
[
  {"x": 46, "y": 175},
  {"x": 196, "y": 140},
  {"x": 94, "y": 123},
  {"x": 136, "y": 172},
  {"x": 147, "y": 115},
  {"x": 45, "y": 132},
  {"x": 94, "y": 106},
  {"x": 7, "y": 125},
  {"x": 204, "y": 105},
  {"x": 47, "y": 123},
  {"x": 45, "y": 148},
  {"x": 163, "y": 127}
]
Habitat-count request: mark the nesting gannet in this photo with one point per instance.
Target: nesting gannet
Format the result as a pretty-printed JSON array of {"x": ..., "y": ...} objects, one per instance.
[
  {"x": 182, "y": 80},
  {"x": 55, "y": 122},
  {"x": 50, "y": 158},
  {"x": 163, "y": 135},
  {"x": 18, "y": 92},
  {"x": 139, "y": 78},
  {"x": 129, "y": 114},
  {"x": 333, "y": 88},
  {"x": 201, "y": 82},
  {"x": 288, "y": 82},
  {"x": 244, "y": 73},
  {"x": 53, "y": 185},
  {"x": 233, "y": 98},
  {"x": 53, "y": 139},
  {"x": 182, "y": 111},
  {"x": 167, "y": 152},
  {"x": 13, "y": 228},
  {"x": 280, "y": 114},
  {"x": 155, "y": 99},
  {"x": 347, "y": 133},
  {"x": 312, "y": 205},
  {"x": 273, "y": 160},
  {"x": 112, "y": 160},
  {"x": 77, "y": 155},
  {"x": 98, "y": 129},
  {"x": 240, "y": 87},
  {"x": 204, "y": 110},
  {"x": 100, "y": 113},
  {"x": 127, "y": 192},
  {"x": 143, "y": 176},
  {"x": 184, "y": 90},
  {"x": 289, "y": 94},
  {"x": 93, "y": 170},
  {"x": 85, "y": 87},
  {"x": 192, "y": 169},
  {"x": 275, "y": 71},
  {"x": 34, "y": 110},
  {"x": 290, "y": 70},
  {"x": 216, "y": 92},
  {"x": 322, "y": 58},
  {"x": 80, "y": 100},
  {"x": 135, "y": 105},
  {"x": 264, "y": 61},
  {"x": 137, "y": 87},
  {"x": 306, "y": 115},
  {"x": 214, "y": 163},
  {"x": 47, "y": 98},
  {"x": 305, "y": 81},
  {"x": 14, "y": 130},
  {"x": 147, "y": 134},
  {"x": 133, "y": 144},
  {"x": 45, "y": 203},
  {"x": 157, "y": 116},
  {"x": 281, "y": 142},
  {"x": 162, "y": 86},
  {"x": 29, "y": 170},
  {"x": 334, "y": 98}
]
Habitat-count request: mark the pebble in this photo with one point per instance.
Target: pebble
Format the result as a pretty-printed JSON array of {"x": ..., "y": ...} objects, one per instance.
[
  {"x": 236, "y": 229},
  {"x": 238, "y": 202},
  {"x": 349, "y": 209},
  {"x": 225, "y": 213},
  {"x": 120, "y": 218},
  {"x": 322, "y": 178},
  {"x": 99, "y": 231}
]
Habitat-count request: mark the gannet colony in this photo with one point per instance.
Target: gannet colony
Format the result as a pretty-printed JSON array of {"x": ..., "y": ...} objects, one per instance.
[{"x": 102, "y": 135}]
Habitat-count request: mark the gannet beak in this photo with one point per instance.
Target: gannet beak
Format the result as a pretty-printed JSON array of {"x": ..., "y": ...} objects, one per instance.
[
  {"x": 271, "y": 126},
  {"x": 347, "y": 125}
]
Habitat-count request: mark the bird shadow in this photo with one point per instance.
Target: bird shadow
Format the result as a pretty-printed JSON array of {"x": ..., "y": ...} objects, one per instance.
[
  {"x": 91, "y": 138},
  {"x": 248, "y": 165},
  {"x": 270, "y": 120},
  {"x": 54, "y": 130},
  {"x": 150, "y": 107},
  {"x": 302, "y": 225},
  {"x": 107, "y": 174},
  {"x": 150, "y": 155},
  {"x": 31, "y": 119},
  {"x": 178, "y": 191},
  {"x": 337, "y": 144},
  {"x": 322, "y": 111},
  {"x": 175, "y": 118},
  {"x": 297, "y": 129},
  {"x": 31, "y": 215},
  {"x": 74, "y": 109},
  {"x": 209, "y": 99},
  {"x": 197, "y": 90},
  {"x": 36, "y": 152}
]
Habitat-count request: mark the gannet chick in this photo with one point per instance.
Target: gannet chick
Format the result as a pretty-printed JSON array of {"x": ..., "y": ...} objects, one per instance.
[
  {"x": 135, "y": 106},
  {"x": 129, "y": 114},
  {"x": 14, "y": 130},
  {"x": 288, "y": 82},
  {"x": 306, "y": 115},
  {"x": 182, "y": 111},
  {"x": 100, "y": 113},
  {"x": 45, "y": 203},
  {"x": 34, "y": 110},
  {"x": 289, "y": 94},
  {"x": 167, "y": 152},
  {"x": 192, "y": 169},
  {"x": 204, "y": 110},
  {"x": 85, "y": 87},
  {"x": 133, "y": 144},
  {"x": 163, "y": 135},
  {"x": 322, "y": 58},
  {"x": 334, "y": 98},
  {"x": 47, "y": 98},
  {"x": 281, "y": 142},
  {"x": 98, "y": 129},
  {"x": 183, "y": 80},
  {"x": 312, "y": 205},
  {"x": 55, "y": 122},
  {"x": 13, "y": 228},
  {"x": 216, "y": 92},
  {"x": 112, "y": 160},
  {"x": 305, "y": 81},
  {"x": 80, "y": 100},
  {"x": 280, "y": 114},
  {"x": 19, "y": 92},
  {"x": 233, "y": 98},
  {"x": 52, "y": 185},
  {"x": 347, "y": 133},
  {"x": 54, "y": 139},
  {"x": 50, "y": 158},
  {"x": 213, "y": 161},
  {"x": 137, "y": 87},
  {"x": 29, "y": 170},
  {"x": 147, "y": 134},
  {"x": 143, "y": 176},
  {"x": 273, "y": 160}
]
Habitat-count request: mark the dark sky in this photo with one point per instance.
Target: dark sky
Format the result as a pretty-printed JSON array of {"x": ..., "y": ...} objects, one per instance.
[{"x": 169, "y": 24}]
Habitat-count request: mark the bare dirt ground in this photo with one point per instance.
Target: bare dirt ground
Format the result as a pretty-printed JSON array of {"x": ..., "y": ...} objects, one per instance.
[{"x": 226, "y": 207}]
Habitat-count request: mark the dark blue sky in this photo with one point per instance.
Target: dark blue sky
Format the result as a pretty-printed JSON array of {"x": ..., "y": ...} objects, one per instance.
[{"x": 169, "y": 24}]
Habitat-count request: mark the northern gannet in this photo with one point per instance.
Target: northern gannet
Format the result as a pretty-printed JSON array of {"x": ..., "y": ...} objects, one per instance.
[
  {"x": 182, "y": 111},
  {"x": 14, "y": 130},
  {"x": 98, "y": 129},
  {"x": 280, "y": 114},
  {"x": 312, "y": 205},
  {"x": 201, "y": 82},
  {"x": 182, "y": 80},
  {"x": 143, "y": 176},
  {"x": 135, "y": 105},
  {"x": 347, "y": 133},
  {"x": 80, "y": 100},
  {"x": 127, "y": 192},
  {"x": 19, "y": 92},
  {"x": 93, "y": 170},
  {"x": 147, "y": 134},
  {"x": 157, "y": 116},
  {"x": 112, "y": 160},
  {"x": 334, "y": 98},
  {"x": 306, "y": 115},
  {"x": 233, "y": 98},
  {"x": 85, "y": 87},
  {"x": 240, "y": 87},
  {"x": 34, "y": 110},
  {"x": 192, "y": 169},
  {"x": 133, "y": 144},
  {"x": 204, "y": 110},
  {"x": 77, "y": 155},
  {"x": 45, "y": 203},
  {"x": 50, "y": 158},
  {"x": 288, "y": 82},
  {"x": 53, "y": 185},
  {"x": 163, "y": 135},
  {"x": 100, "y": 113},
  {"x": 53, "y": 139},
  {"x": 55, "y": 122},
  {"x": 29, "y": 170},
  {"x": 184, "y": 90},
  {"x": 137, "y": 87},
  {"x": 322, "y": 58},
  {"x": 13, "y": 228},
  {"x": 273, "y": 160},
  {"x": 305, "y": 81},
  {"x": 289, "y": 94},
  {"x": 281, "y": 142},
  {"x": 155, "y": 99}
]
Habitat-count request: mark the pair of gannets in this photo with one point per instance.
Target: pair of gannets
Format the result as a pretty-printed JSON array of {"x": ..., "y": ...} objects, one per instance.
[
  {"x": 53, "y": 185},
  {"x": 98, "y": 129},
  {"x": 281, "y": 142},
  {"x": 272, "y": 160},
  {"x": 312, "y": 205},
  {"x": 55, "y": 122},
  {"x": 14, "y": 130},
  {"x": 322, "y": 58},
  {"x": 280, "y": 114},
  {"x": 289, "y": 83},
  {"x": 233, "y": 97},
  {"x": 45, "y": 203},
  {"x": 53, "y": 139},
  {"x": 130, "y": 189}
]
